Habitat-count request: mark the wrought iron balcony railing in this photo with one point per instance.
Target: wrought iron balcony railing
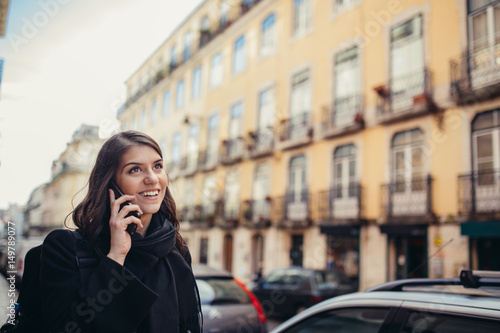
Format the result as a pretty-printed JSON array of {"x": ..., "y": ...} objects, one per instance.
[
  {"x": 232, "y": 151},
  {"x": 297, "y": 206},
  {"x": 344, "y": 112},
  {"x": 340, "y": 204},
  {"x": 207, "y": 159},
  {"x": 476, "y": 76},
  {"x": 296, "y": 129},
  {"x": 479, "y": 193},
  {"x": 263, "y": 142},
  {"x": 405, "y": 95},
  {"x": 189, "y": 164},
  {"x": 257, "y": 213},
  {"x": 409, "y": 199}
]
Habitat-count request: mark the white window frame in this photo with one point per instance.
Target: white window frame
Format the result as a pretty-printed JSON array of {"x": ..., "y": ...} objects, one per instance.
[
  {"x": 268, "y": 36},
  {"x": 239, "y": 55},
  {"x": 216, "y": 70},
  {"x": 153, "y": 113},
  {"x": 302, "y": 17},
  {"x": 166, "y": 103},
  {"x": 180, "y": 95},
  {"x": 197, "y": 77}
]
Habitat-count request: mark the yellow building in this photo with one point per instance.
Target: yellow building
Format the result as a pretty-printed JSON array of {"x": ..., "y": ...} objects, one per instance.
[{"x": 358, "y": 134}]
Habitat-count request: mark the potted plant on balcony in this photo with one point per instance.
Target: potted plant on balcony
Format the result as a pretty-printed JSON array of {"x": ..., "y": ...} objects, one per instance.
[
  {"x": 421, "y": 98},
  {"x": 381, "y": 90},
  {"x": 359, "y": 119},
  {"x": 268, "y": 199}
]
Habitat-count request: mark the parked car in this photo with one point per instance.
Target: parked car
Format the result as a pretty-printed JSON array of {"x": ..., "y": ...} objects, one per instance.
[
  {"x": 468, "y": 304},
  {"x": 227, "y": 304},
  {"x": 287, "y": 291}
]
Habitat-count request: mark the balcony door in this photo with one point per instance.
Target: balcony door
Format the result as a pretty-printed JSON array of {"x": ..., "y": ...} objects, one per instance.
[
  {"x": 300, "y": 105},
  {"x": 235, "y": 143},
  {"x": 192, "y": 155},
  {"x": 407, "y": 63},
  {"x": 232, "y": 193},
  {"x": 212, "y": 140},
  {"x": 260, "y": 190},
  {"x": 484, "y": 45},
  {"x": 347, "y": 88},
  {"x": 297, "y": 194},
  {"x": 344, "y": 194},
  {"x": 486, "y": 161},
  {"x": 408, "y": 187},
  {"x": 265, "y": 121}
]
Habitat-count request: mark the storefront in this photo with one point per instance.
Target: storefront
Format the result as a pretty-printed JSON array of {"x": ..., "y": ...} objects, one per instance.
[{"x": 484, "y": 244}]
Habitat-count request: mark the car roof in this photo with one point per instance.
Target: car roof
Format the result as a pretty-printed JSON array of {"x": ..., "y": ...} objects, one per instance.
[{"x": 204, "y": 271}]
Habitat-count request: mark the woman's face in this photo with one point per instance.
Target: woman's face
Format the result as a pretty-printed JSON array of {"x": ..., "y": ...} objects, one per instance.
[{"x": 141, "y": 173}]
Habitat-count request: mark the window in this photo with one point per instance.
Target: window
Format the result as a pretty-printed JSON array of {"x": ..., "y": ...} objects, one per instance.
[
  {"x": 209, "y": 196},
  {"x": 143, "y": 119},
  {"x": 166, "y": 103},
  {"x": 261, "y": 183},
  {"x": 484, "y": 23},
  {"x": 216, "y": 70},
  {"x": 231, "y": 198},
  {"x": 235, "y": 122},
  {"x": 179, "y": 95},
  {"x": 196, "y": 91},
  {"x": 347, "y": 87},
  {"x": 239, "y": 56},
  {"x": 153, "y": 112},
  {"x": 173, "y": 57},
  {"x": 188, "y": 40},
  {"x": 408, "y": 160},
  {"x": 212, "y": 139},
  {"x": 268, "y": 36},
  {"x": 267, "y": 107},
  {"x": 189, "y": 200},
  {"x": 297, "y": 180},
  {"x": 486, "y": 149},
  {"x": 163, "y": 147},
  {"x": 205, "y": 24},
  {"x": 302, "y": 16},
  {"x": 348, "y": 320},
  {"x": 176, "y": 149},
  {"x": 437, "y": 322},
  {"x": 344, "y": 171},
  {"x": 224, "y": 9},
  {"x": 193, "y": 146},
  {"x": 133, "y": 123},
  {"x": 300, "y": 105},
  {"x": 407, "y": 63}
]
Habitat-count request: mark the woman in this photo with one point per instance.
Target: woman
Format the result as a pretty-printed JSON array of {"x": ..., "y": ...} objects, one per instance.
[{"x": 141, "y": 282}]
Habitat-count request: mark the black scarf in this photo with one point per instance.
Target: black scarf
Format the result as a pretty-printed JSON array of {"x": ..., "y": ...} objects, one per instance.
[{"x": 156, "y": 261}]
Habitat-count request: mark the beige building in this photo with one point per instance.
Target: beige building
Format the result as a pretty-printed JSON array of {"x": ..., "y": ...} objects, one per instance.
[
  {"x": 358, "y": 134},
  {"x": 4, "y": 11},
  {"x": 70, "y": 174}
]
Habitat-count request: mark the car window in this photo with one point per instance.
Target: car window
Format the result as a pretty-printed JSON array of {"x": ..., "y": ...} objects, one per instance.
[
  {"x": 425, "y": 322},
  {"x": 217, "y": 291},
  {"x": 347, "y": 320},
  {"x": 275, "y": 277},
  {"x": 330, "y": 279}
]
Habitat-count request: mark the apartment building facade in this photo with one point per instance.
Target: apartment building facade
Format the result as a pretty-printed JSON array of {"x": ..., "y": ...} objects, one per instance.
[{"x": 356, "y": 134}]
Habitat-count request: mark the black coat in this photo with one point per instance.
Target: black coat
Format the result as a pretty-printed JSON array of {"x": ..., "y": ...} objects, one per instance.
[{"x": 112, "y": 299}]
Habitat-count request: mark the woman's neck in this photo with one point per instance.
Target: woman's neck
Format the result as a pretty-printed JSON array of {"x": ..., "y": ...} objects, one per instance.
[{"x": 146, "y": 221}]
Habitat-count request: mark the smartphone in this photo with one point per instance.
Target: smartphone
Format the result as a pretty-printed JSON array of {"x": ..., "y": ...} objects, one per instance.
[{"x": 132, "y": 227}]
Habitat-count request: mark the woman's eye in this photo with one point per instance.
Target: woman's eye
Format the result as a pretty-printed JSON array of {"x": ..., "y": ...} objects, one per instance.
[
  {"x": 158, "y": 166},
  {"x": 134, "y": 169}
]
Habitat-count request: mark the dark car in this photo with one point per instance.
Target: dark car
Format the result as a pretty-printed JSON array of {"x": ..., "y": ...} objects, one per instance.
[
  {"x": 227, "y": 304},
  {"x": 470, "y": 303},
  {"x": 287, "y": 291}
]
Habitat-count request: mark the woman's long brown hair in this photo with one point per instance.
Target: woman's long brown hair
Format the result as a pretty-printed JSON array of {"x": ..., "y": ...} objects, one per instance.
[{"x": 92, "y": 215}]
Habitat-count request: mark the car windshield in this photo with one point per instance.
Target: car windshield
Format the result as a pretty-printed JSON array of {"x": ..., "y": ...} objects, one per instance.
[
  {"x": 218, "y": 291},
  {"x": 330, "y": 279}
]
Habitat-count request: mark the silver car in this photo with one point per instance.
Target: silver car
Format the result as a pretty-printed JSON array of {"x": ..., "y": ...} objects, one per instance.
[
  {"x": 227, "y": 304},
  {"x": 468, "y": 304}
]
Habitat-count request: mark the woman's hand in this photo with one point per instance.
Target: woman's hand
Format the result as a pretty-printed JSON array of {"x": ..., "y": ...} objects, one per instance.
[{"x": 120, "y": 238}]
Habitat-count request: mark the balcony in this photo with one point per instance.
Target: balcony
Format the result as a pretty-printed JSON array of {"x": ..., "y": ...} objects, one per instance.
[
  {"x": 257, "y": 213},
  {"x": 479, "y": 194},
  {"x": 344, "y": 115},
  {"x": 339, "y": 205},
  {"x": 207, "y": 160},
  {"x": 262, "y": 142},
  {"x": 189, "y": 164},
  {"x": 229, "y": 214},
  {"x": 294, "y": 208},
  {"x": 475, "y": 77},
  {"x": 408, "y": 202},
  {"x": 204, "y": 216},
  {"x": 232, "y": 151},
  {"x": 295, "y": 131},
  {"x": 405, "y": 96}
]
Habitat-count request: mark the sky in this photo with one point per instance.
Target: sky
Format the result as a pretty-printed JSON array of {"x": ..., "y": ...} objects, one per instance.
[{"x": 65, "y": 64}]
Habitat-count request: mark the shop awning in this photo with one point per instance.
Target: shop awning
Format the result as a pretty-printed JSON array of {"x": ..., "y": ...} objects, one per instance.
[
  {"x": 489, "y": 229},
  {"x": 340, "y": 230},
  {"x": 408, "y": 230}
]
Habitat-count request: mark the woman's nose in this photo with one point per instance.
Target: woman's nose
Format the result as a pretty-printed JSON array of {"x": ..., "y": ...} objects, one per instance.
[{"x": 150, "y": 178}]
